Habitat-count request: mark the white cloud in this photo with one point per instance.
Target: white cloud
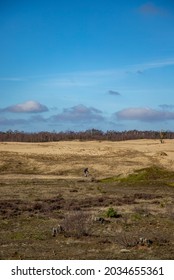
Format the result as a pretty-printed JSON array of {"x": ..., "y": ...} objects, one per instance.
[
  {"x": 26, "y": 107},
  {"x": 79, "y": 113},
  {"x": 144, "y": 115}
]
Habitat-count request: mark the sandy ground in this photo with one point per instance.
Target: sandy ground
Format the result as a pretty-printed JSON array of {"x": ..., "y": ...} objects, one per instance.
[
  {"x": 42, "y": 185},
  {"x": 104, "y": 158}
]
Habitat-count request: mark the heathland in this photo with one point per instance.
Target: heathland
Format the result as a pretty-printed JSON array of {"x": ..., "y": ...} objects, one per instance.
[{"x": 124, "y": 208}]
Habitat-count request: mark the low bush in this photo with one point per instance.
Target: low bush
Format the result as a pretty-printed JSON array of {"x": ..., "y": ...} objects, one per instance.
[
  {"x": 77, "y": 224},
  {"x": 111, "y": 213}
]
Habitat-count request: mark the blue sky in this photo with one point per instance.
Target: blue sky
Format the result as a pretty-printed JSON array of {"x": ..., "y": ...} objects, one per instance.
[{"x": 77, "y": 65}]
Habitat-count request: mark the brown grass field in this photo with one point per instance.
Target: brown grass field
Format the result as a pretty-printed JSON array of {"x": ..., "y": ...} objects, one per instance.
[{"x": 124, "y": 209}]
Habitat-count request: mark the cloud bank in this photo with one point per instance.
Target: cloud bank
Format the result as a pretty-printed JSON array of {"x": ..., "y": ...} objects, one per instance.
[
  {"x": 79, "y": 113},
  {"x": 144, "y": 115}
]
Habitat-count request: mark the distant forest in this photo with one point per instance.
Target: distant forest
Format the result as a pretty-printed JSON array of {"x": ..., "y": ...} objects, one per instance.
[{"x": 88, "y": 135}]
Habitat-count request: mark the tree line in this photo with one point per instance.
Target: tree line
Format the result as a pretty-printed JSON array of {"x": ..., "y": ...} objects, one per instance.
[{"x": 88, "y": 135}]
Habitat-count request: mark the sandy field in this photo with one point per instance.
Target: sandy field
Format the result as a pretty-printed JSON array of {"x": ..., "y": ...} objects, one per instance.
[{"x": 69, "y": 158}]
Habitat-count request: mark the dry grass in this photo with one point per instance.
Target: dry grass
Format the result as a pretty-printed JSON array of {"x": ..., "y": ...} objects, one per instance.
[{"x": 42, "y": 186}]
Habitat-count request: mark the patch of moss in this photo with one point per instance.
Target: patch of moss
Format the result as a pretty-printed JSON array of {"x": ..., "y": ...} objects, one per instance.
[
  {"x": 110, "y": 179},
  {"x": 146, "y": 174}
]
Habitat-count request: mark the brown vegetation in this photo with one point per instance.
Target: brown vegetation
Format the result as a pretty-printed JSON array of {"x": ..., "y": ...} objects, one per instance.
[{"x": 123, "y": 210}]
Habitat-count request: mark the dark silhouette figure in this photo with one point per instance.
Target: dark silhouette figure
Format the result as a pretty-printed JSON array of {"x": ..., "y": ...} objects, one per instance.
[{"x": 86, "y": 172}]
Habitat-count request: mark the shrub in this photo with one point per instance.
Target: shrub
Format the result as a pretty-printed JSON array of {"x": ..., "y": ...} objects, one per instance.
[
  {"x": 111, "y": 213},
  {"x": 77, "y": 223},
  {"x": 126, "y": 240}
]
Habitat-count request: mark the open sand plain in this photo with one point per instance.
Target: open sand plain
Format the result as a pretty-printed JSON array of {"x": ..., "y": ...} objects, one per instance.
[{"x": 69, "y": 158}]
